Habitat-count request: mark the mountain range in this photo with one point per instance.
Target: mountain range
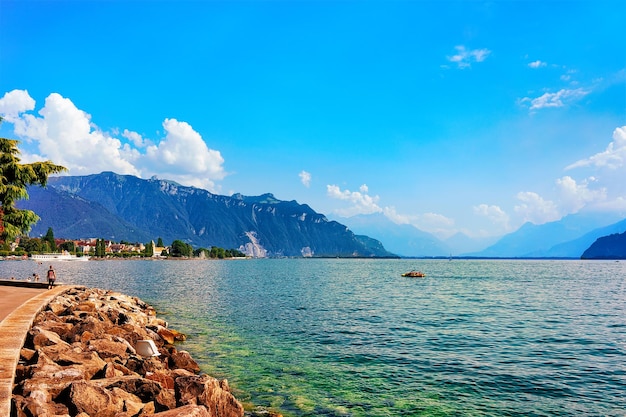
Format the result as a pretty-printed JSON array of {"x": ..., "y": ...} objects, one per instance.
[
  {"x": 124, "y": 207},
  {"x": 568, "y": 237}
]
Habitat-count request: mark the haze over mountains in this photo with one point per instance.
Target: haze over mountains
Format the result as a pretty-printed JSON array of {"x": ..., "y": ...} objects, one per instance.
[
  {"x": 566, "y": 238},
  {"x": 124, "y": 207}
]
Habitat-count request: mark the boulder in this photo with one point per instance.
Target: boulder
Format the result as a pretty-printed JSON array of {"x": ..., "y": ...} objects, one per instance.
[
  {"x": 89, "y": 362},
  {"x": 183, "y": 360},
  {"x": 108, "y": 348},
  {"x": 208, "y": 391},
  {"x": 38, "y": 406},
  {"x": 41, "y": 337},
  {"x": 170, "y": 336},
  {"x": 94, "y": 400},
  {"x": 185, "y": 411}
]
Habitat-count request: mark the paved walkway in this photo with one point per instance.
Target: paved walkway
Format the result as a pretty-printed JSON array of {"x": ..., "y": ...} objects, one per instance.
[
  {"x": 18, "y": 308},
  {"x": 13, "y": 297}
]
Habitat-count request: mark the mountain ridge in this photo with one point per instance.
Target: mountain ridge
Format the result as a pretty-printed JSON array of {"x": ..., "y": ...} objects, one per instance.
[{"x": 125, "y": 207}]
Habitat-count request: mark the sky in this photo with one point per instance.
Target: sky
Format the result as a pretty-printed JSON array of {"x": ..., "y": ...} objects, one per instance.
[{"x": 452, "y": 116}]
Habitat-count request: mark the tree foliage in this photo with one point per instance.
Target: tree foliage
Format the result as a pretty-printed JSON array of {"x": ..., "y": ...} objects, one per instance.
[
  {"x": 100, "y": 249},
  {"x": 32, "y": 245},
  {"x": 14, "y": 180},
  {"x": 181, "y": 249},
  {"x": 69, "y": 246},
  {"x": 49, "y": 240},
  {"x": 219, "y": 253},
  {"x": 149, "y": 251}
]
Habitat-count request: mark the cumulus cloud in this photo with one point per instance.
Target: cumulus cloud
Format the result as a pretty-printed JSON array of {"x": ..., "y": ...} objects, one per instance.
[
  {"x": 66, "y": 135},
  {"x": 397, "y": 218},
  {"x": 135, "y": 138},
  {"x": 537, "y": 64},
  {"x": 613, "y": 156},
  {"x": 464, "y": 58},
  {"x": 15, "y": 102},
  {"x": 558, "y": 99},
  {"x": 305, "y": 178},
  {"x": 435, "y": 223},
  {"x": 535, "y": 209},
  {"x": 361, "y": 202},
  {"x": 184, "y": 156},
  {"x": 575, "y": 196},
  {"x": 494, "y": 213}
]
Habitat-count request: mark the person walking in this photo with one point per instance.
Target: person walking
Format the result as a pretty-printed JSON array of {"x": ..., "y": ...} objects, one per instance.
[{"x": 52, "y": 276}]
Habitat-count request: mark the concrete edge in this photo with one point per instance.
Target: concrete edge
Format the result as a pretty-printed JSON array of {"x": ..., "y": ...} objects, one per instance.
[{"x": 13, "y": 330}]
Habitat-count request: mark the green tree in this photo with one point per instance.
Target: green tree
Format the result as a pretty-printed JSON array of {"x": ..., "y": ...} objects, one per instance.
[
  {"x": 100, "y": 248},
  {"x": 14, "y": 180},
  {"x": 68, "y": 245},
  {"x": 180, "y": 249},
  {"x": 49, "y": 240},
  {"x": 31, "y": 245},
  {"x": 149, "y": 252},
  {"x": 160, "y": 243}
]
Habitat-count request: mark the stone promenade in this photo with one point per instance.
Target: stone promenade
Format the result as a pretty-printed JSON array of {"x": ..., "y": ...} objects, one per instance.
[{"x": 18, "y": 307}]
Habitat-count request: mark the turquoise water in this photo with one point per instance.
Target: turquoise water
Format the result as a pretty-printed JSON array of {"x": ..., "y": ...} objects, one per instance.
[{"x": 331, "y": 337}]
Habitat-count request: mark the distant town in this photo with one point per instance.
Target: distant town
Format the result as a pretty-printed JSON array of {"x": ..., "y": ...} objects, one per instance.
[{"x": 25, "y": 246}]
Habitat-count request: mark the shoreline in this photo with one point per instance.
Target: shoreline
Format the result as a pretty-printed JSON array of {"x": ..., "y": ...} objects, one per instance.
[{"x": 84, "y": 356}]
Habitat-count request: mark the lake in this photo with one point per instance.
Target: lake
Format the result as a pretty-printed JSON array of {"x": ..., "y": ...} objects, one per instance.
[{"x": 351, "y": 337}]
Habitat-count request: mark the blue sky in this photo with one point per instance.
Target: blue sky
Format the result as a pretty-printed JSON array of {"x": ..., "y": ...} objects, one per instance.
[{"x": 469, "y": 116}]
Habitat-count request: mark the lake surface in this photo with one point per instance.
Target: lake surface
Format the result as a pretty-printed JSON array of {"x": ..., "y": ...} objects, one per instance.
[{"x": 334, "y": 337}]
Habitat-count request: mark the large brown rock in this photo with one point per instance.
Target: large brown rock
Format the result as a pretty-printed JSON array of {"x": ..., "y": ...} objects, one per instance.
[
  {"x": 74, "y": 357},
  {"x": 94, "y": 400},
  {"x": 208, "y": 391},
  {"x": 185, "y": 411},
  {"x": 38, "y": 406},
  {"x": 108, "y": 348},
  {"x": 183, "y": 360},
  {"x": 147, "y": 390},
  {"x": 42, "y": 337}
]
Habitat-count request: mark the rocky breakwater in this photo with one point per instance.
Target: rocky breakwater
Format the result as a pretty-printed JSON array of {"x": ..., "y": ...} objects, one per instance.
[{"x": 81, "y": 358}]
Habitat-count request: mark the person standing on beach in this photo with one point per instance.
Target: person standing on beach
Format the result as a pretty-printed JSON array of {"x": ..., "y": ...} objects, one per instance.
[{"x": 52, "y": 276}]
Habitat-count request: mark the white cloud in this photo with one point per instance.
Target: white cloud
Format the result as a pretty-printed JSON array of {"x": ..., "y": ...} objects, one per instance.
[
  {"x": 361, "y": 202},
  {"x": 64, "y": 134},
  {"x": 537, "y": 64},
  {"x": 305, "y": 178},
  {"x": 183, "y": 156},
  {"x": 614, "y": 156},
  {"x": 464, "y": 58},
  {"x": 558, "y": 99},
  {"x": 434, "y": 223},
  {"x": 535, "y": 209},
  {"x": 135, "y": 138},
  {"x": 397, "y": 218},
  {"x": 15, "y": 102},
  {"x": 575, "y": 196},
  {"x": 617, "y": 204},
  {"x": 67, "y": 136},
  {"x": 494, "y": 213}
]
